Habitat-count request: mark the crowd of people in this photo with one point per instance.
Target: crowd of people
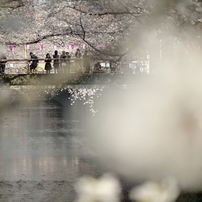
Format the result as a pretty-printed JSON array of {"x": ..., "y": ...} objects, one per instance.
[{"x": 60, "y": 63}]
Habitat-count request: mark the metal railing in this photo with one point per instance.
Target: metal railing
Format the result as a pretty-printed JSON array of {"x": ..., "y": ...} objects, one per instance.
[{"x": 21, "y": 66}]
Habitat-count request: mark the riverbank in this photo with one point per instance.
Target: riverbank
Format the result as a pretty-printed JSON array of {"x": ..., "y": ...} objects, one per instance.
[
  {"x": 52, "y": 191},
  {"x": 36, "y": 191}
]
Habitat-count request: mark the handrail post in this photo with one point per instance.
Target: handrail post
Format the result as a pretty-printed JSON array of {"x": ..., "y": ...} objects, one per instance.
[{"x": 28, "y": 67}]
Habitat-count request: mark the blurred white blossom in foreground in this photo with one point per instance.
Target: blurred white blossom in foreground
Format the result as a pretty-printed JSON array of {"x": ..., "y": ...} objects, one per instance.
[
  {"x": 150, "y": 191},
  {"x": 153, "y": 129},
  {"x": 104, "y": 189}
]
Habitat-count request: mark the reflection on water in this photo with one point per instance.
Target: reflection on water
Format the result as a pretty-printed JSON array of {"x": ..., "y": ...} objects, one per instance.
[{"x": 37, "y": 143}]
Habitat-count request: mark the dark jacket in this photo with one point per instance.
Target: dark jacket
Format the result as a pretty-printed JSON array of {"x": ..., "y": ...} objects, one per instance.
[
  {"x": 48, "y": 61},
  {"x": 78, "y": 54},
  {"x": 63, "y": 58},
  {"x": 3, "y": 60},
  {"x": 34, "y": 61}
]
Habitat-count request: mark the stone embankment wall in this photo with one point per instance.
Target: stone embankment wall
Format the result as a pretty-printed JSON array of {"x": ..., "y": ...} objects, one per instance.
[{"x": 72, "y": 78}]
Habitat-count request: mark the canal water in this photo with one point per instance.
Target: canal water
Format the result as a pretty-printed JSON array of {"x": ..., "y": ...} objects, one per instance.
[
  {"x": 37, "y": 142},
  {"x": 39, "y": 145},
  {"x": 43, "y": 153}
]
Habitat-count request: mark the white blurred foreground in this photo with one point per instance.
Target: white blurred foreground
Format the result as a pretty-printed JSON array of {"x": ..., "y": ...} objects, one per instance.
[
  {"x": 104, "y": 189},
  {"x": 166, "y": 191},
  {"x": 108, "y": 189},
  {"x": 153, "y": 130}
]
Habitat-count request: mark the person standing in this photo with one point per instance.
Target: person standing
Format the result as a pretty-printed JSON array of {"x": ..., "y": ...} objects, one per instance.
[
  {"x": 68, "y": 57},
  {"x": 86, "y": 62},
  {"x": 63, "y": 62},
  {"x": 3, "y": 61},
  {"x": 78, "y": 59},
  {"x": 78, "y": 53},
  {"x": 56, "y": 62},
  {"x": 48, "y": 61},
  {"x": 33, "y": 62},
  {"x": 112, "y": 67}
]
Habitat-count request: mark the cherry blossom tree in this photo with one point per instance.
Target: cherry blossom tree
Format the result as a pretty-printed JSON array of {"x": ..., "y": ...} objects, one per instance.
[{"x": 111, "y": 29}]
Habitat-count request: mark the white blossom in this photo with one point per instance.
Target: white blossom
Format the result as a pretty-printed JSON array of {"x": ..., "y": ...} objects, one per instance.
[
  {"x": 150, "y": 191},
  {"x": 103, "y": 189}
]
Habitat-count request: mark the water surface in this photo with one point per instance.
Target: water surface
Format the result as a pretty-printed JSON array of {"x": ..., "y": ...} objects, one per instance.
[{"x": 38, "y": 143}]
